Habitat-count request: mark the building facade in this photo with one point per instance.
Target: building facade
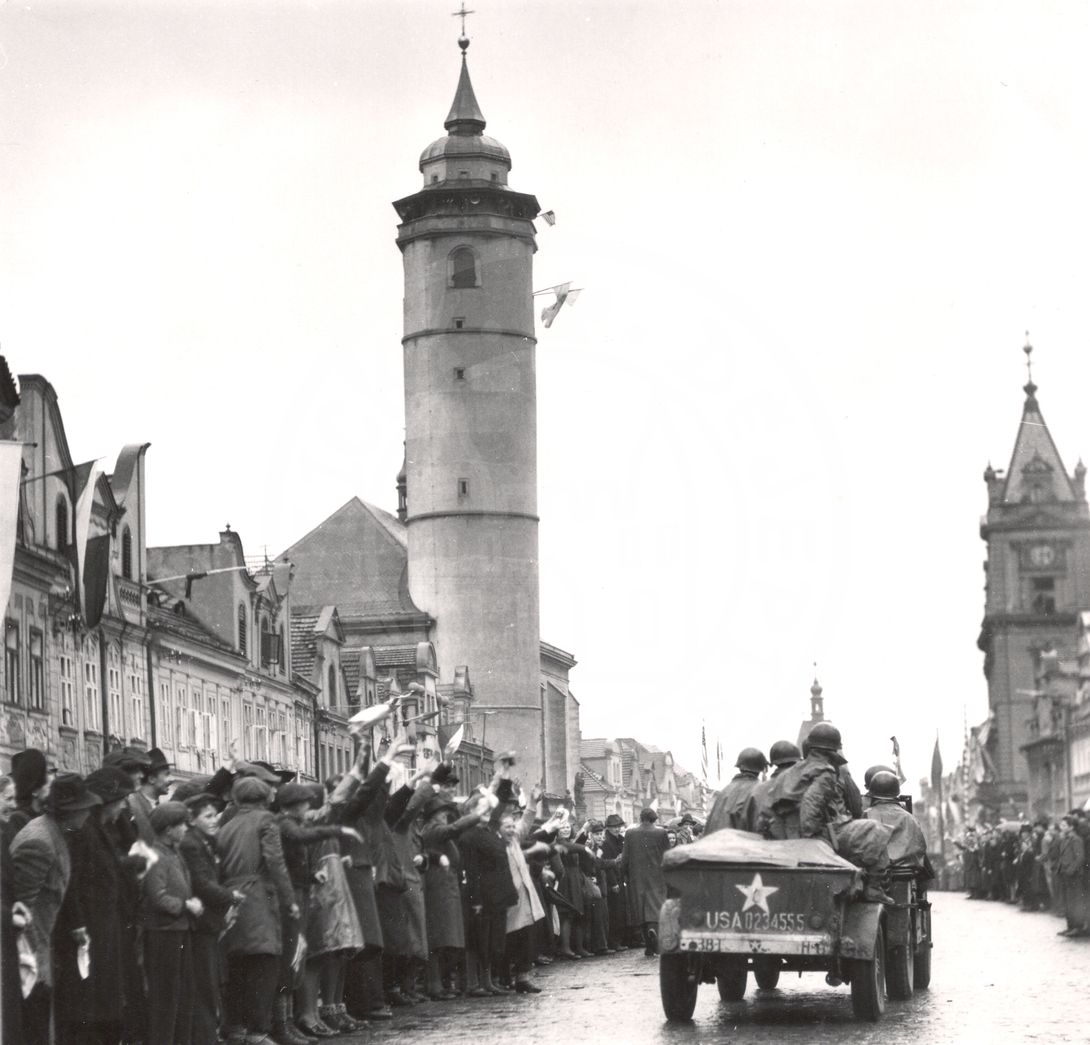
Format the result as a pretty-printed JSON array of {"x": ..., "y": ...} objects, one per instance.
[{"x": 1037, "y": 531}]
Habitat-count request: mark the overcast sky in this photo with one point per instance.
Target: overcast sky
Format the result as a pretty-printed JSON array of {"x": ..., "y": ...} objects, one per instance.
[{"x": 812, "y": 236}]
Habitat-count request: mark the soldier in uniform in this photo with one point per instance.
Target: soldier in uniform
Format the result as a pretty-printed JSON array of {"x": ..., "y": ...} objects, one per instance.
[
  {"x": 783, "y": 755},
  {"x": 731, "y": 807},
  {"x": 816, "y": 791},
  {"x": 907, "y": 846}
]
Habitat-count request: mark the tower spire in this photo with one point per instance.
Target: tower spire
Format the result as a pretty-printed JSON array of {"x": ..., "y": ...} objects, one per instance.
[
  {"x": 1029, "y": 388},
  {"x": 465, "y": 116}
]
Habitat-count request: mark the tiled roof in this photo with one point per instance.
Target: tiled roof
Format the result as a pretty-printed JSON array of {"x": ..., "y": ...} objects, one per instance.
[
  {"x": 395, "y": 656},
  {"x": 594, "y": 747},
  {"x": 356, "y": 559},
  {"x": 596, "y": 781},
  {"x": 303, "y": 643},
  {"x": 350, "y": 666},
  {"x": 185, "y": 626}
]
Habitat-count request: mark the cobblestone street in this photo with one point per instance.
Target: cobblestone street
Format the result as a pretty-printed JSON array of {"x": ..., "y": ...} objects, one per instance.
[{"x": 999, "y": 976}]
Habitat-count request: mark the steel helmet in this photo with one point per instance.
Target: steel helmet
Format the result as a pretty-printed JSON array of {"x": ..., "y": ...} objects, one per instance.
[
  {"x": 869, "y": 774},
  {"x": 884, "y": 784},
  {"x": 825, "y": 737},
  {"x": 751, "y": 760},
  {"x": 783, "y": 753}
]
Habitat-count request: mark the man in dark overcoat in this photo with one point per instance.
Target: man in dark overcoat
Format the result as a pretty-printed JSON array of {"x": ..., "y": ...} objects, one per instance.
[
  {"x": 616, "y": 893},
  {"x": 43, "y": 867},
  {"x": 641, "y": 864},
  {"x": 1069, "y": 872}
]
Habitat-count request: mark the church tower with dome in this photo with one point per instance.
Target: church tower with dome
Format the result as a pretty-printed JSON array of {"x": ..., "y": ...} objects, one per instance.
[{"x": 469, "y": 484}]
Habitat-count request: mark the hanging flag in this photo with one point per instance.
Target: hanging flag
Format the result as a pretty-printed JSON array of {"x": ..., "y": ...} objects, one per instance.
[
  {"x": 548, "y": 314},
  {"x": 95, "y": 575},
  {"x": 704, "y": 752},
  {"x": 11, "y": 470},
  {"x": 897, "y": 759},
  {"x": 936, "y": 766},
  {"x": 654, "y": 806},
  {"x": 85, "y": 500},
  {"x": 549, "y": 216}
]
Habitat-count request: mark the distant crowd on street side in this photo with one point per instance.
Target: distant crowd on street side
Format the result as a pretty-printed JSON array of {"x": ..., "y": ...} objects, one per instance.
[
  {"x": 249, "y": 907},
  {"x": 1043, "y": 866}
]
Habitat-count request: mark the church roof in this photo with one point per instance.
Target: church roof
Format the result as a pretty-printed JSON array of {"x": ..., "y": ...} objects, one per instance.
[
  {"x": 357, "y": 560},
  {"x": 1036, "y": 472}
]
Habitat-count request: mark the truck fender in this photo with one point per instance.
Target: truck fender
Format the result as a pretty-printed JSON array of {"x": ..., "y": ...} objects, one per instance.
[
  {"x": 670, "y": 926},
  {"x": 859, "y": 930}
]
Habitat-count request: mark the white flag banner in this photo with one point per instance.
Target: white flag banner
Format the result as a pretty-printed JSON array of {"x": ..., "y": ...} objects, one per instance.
[
  {"x": 11, "y": 472},
  {"x": 84, "y": 504}
]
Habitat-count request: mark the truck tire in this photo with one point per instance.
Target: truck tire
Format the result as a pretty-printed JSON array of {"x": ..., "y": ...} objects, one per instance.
[
  {"x": 679, "y": 980},
  {"x": 766, "y": 971},
  {"x": 900, "y": 972},
  {"x": 869, "y": 982},
  {"x": 922, "y": 967},
  {"x": 731, "y": 980}
]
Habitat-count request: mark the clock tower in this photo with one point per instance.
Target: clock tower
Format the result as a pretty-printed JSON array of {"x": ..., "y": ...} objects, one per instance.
[
  {"x": 1037, "y": 530},
  {"x": 470, "y": 478}
]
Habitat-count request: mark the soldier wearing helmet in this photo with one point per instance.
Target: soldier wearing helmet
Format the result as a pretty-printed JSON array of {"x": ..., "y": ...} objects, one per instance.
[
  {"x": 783, "y": 754},
  {"x": 815, "y": 792},
  {"x": 731, "y": 807},
  {"x": 907, "y": 845}
]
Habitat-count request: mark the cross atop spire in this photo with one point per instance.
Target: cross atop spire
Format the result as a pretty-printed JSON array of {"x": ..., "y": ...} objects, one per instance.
[
  {"x": 463, "y": 40},
  {"x": 1030, "y": 388}
]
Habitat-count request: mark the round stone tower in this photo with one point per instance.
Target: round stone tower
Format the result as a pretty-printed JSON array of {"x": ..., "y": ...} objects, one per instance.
[{"x": 467, "y": 242}]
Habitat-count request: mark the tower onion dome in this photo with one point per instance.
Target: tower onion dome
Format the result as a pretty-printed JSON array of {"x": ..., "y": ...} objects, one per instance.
[{"x": 465, "y": 125}]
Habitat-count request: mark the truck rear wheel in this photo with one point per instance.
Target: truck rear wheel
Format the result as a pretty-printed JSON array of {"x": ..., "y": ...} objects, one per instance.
[
  {"x": 766, "y": 971},
  {"x": 869, "y": 982},
  {"x": 679, "y": 980},
  {"x": 730, "y": 977},
  {"x": 900, "y": 972},
  {"x": 922, "y": 967}
]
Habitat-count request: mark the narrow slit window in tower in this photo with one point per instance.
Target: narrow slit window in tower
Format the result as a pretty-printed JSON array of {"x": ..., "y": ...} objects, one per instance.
[{"x": 463, "y": 487}]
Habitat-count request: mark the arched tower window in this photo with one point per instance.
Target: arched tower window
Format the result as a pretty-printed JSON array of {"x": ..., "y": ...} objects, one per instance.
[
  {"x": 463, "y": 268},
  {"x": 126, "y": 554},
  {"x": 62, "y": 523},
  {"x": 242, "y": 628}
]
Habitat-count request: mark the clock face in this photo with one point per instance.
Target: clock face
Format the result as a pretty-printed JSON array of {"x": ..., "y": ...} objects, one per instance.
[{"x": 1042, "y": 555}]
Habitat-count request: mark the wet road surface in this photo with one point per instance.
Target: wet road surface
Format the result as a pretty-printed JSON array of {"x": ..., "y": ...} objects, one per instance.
[{"x": 998, "y": 976}]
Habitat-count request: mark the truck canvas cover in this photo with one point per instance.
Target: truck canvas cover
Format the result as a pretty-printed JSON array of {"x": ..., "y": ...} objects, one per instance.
[{"x": 741, "y": 847}]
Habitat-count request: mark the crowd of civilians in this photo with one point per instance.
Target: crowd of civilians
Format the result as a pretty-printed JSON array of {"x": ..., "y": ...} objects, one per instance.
[
  {"x": 1043, "y": 866},
  {"x": 248, "y": 907}
]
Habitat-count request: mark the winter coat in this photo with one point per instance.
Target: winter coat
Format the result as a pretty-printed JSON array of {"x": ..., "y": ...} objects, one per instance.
[
  {"x": 528, "y": 908},
  {"x": 252, "y": 861},
  {"x": 1071, "y": 855},
  {"x": 43, "y": 867},
  {"x": 404, "y": 924},
  {"x": 140, "y": 807},
  {"x": 97, "y": 883},
  {"x": 363, "y": 808},
  {"x": 333, "y": 923},
  {"x": 200, "y": 857},
  {"x": 488, "y": 875},
  {"x": 166, "y": 889},
  {"x": 442, "y": 881},
  {"x": 641, "y": 862},
  {"x": 907, "y": 845},
  {"x": 732, "y": 807}
]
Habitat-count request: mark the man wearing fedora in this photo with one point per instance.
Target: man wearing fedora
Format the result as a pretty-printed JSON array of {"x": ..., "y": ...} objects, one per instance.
[
  {"x": 616, "y": 895},
  {"x": 32, "y": 773},
  {"x": 43, "y": 868},
  {"x": 155, "y": 782}
]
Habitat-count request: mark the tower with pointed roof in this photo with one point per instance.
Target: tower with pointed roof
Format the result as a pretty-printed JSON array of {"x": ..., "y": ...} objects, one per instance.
[
  {"x": 470, "y": 477},
  {"x": 1037, "y": 530}
]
